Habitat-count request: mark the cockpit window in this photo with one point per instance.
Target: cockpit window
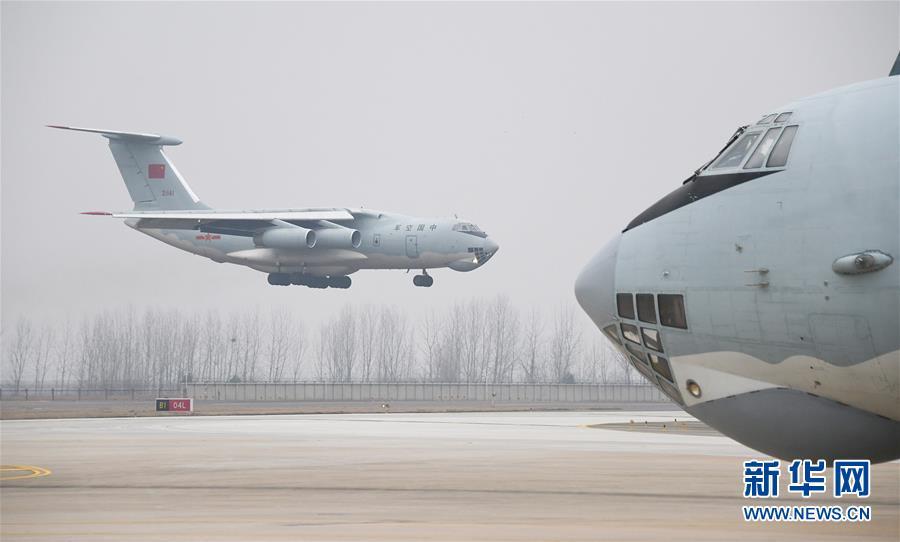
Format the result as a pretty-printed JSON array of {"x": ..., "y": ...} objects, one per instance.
[
  {"x": 671, "y": 310},
  {"x": 736, "y": 153},
  {"x": 466, "y": 226},
  {"x": 767, "y": 119},
  {"x": 469, "y": 228},
  {"x": 782, "y": 148},
  {"x": 625, "y": 306},
  {"x": 758, "y": 158},
  {"x": 784, "y": 117}
]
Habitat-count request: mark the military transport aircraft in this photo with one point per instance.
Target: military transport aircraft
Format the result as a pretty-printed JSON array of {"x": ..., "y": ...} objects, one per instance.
[
  {"x": 317, "y": 248},
  {"x": 762, "y": 294}
]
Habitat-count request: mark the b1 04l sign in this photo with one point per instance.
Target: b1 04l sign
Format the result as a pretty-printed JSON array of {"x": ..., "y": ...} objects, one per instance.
[{"x": 175, "y": 405}]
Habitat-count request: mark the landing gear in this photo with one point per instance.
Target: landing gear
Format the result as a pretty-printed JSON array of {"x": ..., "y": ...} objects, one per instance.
[
  {"x": 339, "y": 282},
  {"x": 424, "y": 280},
  {"x": 279, "y": 279},
  {"x": 285, "y": 279}
]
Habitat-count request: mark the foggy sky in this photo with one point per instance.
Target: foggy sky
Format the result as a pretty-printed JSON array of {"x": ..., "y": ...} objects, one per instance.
[{"x": 549, "y": 125}]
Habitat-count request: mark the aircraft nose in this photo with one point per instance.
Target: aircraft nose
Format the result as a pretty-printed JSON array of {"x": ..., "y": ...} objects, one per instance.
[
  {"x": 595, "y": 287},
  {"x": 491, "y": 246}
]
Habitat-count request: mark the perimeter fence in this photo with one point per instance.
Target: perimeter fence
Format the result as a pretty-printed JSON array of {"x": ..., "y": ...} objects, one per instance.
[
  {"x": 356, "y": 391},
  {"x": 87, "y": 394},
  {"x": 424, "y": 391}
]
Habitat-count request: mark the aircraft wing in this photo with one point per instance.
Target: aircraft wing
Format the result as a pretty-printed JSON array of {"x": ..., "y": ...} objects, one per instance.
[
  {"x": 242, "y": 223},
  {"x": 209, "y": 215}
]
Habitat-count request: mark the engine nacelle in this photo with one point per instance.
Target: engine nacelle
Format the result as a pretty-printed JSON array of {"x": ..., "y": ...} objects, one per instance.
[
  {"x": 289, "y": 238},
  {"x": 338, "y": 238}
]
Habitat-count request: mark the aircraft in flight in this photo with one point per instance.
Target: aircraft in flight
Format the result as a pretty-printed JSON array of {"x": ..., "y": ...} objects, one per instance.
[
  {"x": 762, "y": 294},
  {"x": 317, "y": 248}
]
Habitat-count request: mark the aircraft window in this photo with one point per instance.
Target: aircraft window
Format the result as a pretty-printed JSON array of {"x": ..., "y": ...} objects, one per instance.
[
  {"x": 767, "y": 119},
  {"x": 736, "y": 153},
  {"x": 630, "y": 333},
  {"x": 644, "y": 368},
  {"x": 612, "y": 334},
  {"x": 671, "y": 310},
  {"x": 661, "y": 366},
  {"x": 651, "y": 339},
  {"x": 636, "y": 352},
  {"x": 782, "y": 148},
  {"x": 646, "y": 308},
  {"x": 466, "y": 226},
  {"x": 625, "y": 305},
  {"x": 758, "y": 158},
  {"x": 670, "y": 390},
  {"x": 784, "y": 117}
]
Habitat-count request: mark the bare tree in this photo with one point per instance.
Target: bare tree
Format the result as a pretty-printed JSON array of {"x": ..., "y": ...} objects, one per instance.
[
  {"x": 564, "y": 345},
  {"x": 337, "y": 347},
  {"x": 452, "y": 345},
  {"x": 368, "y": 337},
  {"x": 213, "y": 344},
  {"x": 298, "y": 349},
  {"x": 472, "y": 328},
  {"x": 532, "y": 347},
  {"x": 21, "y": 351},
  {"x": 282, "y": 343},
  {"x": 250, "y": 345},
  {"x": 475, "y": 341},
  {"x": 395, "y": 356},
  {"x": 430, "y": 343},
  {"x": 502, "y": 335},
  {"x": 62, "y": 354},
  {"x": 43, "y": 346},
  {"x": 232, "y": 350}
]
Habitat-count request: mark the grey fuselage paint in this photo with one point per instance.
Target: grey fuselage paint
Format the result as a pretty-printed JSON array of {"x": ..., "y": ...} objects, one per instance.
[{"x": 783, "y": 353}]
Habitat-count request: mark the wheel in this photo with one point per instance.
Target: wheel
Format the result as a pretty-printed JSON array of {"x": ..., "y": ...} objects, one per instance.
[
  {"x": 279, "y": 279},
  {"x": 339, "y": 282},
  {"x": 317, "y": 282},
  {"x": 429, "y": 280},
  {"x": 417, "y": 280},
  {"x": 298, "y": 279}
]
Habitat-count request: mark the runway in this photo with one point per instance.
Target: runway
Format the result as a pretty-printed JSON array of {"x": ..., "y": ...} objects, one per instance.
[{"x": 459, "y": 476}]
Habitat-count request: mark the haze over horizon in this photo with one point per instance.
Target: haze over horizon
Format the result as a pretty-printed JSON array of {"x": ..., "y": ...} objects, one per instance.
[{"x": 549, "y": 125}]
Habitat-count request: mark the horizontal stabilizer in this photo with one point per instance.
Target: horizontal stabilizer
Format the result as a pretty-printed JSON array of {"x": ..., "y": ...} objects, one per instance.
[{"x": 125, "y": 136}]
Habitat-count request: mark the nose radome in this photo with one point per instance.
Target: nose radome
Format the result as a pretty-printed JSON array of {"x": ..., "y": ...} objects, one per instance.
[
  {"x": 595, "y": 286},
  {"x": 490, "y": 245}
]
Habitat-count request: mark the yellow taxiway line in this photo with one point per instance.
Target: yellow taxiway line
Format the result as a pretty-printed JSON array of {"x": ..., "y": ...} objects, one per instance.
[{"x": 28, "y": 470}]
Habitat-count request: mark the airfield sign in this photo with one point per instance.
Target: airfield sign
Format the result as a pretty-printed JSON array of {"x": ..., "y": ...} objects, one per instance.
[{"x": 175, "y": 405}]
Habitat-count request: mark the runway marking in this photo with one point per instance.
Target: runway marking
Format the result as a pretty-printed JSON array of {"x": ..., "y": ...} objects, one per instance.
[
  {"x": 32, "y": 472},
  {"x": 684, "y": 427}
]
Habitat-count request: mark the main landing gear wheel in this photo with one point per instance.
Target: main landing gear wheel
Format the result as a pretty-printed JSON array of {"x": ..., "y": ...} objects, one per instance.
[
  {"x": 279, "y": 279},
  {"x": 339, "y": 282},
  {"x": 424, "y": 280},
  {"x": 284, "y": 279}
]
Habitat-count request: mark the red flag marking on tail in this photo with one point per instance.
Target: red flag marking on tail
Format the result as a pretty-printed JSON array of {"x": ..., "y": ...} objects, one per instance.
[{"x": 156, "y": 171}]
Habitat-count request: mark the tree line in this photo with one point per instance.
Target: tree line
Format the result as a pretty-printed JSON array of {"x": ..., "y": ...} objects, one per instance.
[{"x": 469, "y": 341}]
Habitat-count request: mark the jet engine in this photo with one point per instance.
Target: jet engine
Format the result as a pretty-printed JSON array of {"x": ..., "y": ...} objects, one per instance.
[
  {"x": 338, "y": 238},
  {"x": 288, "y": 238}
]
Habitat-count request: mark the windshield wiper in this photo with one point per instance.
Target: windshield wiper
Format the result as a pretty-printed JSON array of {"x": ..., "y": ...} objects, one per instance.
[{"x": 732, "y": 139}]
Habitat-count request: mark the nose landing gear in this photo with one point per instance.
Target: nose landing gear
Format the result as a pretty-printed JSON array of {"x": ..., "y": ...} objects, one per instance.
[{"x": 424, "y": 280}]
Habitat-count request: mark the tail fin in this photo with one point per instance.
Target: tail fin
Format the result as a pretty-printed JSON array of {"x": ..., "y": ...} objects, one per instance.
[{"x": 151, "y": 178}]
